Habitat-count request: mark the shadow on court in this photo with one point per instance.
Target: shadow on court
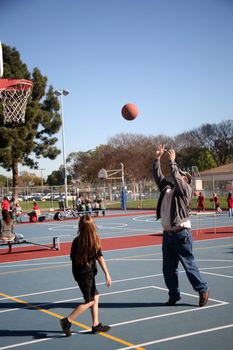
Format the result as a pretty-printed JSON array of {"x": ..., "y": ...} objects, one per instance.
[
  {"x": 102, "y": 305},
  {"x": 35, "y": 334}
]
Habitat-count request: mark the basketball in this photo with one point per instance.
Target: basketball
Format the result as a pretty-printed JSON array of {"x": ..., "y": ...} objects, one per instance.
[
  {"x": 211, "y": 199},
  {"x": 129, "y": 111}
]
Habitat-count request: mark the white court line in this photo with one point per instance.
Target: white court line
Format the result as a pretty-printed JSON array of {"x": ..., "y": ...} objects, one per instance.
[
  {"x": 40, "y": 264},
  {"x": 220, "y": 303},
  {"x": 215, "y": 267},
  {"x": 110, "y": 225},
  {"x": 165, "y": 315},
  {"x": 196, "y": 309},
  {"x": 177, "y": 337},
  {"x": 10, "y": 265},
  {"x": 215, "y": 260},
  {"x": 23, "y": 344},
  {"x": 148, "y": 217},
  {"x": 75, "y": 299},
  {"x": 116, "y": 281},
  {"x": 98, "y": 284},
  {"x": 216, "y": 274}
]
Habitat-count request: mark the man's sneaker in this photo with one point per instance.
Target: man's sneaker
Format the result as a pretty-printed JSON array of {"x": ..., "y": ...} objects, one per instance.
[
  {"x": 100, "y": 328},
  {"x": 172, "y": 301},
  {"x": 65, "y": 325},
  {"x": 203, "y": 298}
]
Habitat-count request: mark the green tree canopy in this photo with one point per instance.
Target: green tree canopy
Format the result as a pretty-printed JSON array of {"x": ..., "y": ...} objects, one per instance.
[
  {"x": 28, "y": 142},
  {"x": 56, "y": 178}
]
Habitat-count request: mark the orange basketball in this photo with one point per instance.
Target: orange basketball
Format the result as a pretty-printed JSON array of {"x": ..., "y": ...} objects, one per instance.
[
  {"x": 211, "y": 199},
  {"x": 129, "y": 111}
]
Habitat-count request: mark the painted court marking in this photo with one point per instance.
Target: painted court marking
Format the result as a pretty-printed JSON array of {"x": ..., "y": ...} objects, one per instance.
[
  {"x": 81, "y": 325},
  {"x": 180, "y": 336},
  {"x": 118, "y": 340},
  {"x": 109, "y": 336}
]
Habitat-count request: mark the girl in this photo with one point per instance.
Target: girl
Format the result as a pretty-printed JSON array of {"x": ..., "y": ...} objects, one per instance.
[
  {"x": 7, "y": 229},
  {"x": 85, "y": 250},
  {"x": 33, "y": 215}
]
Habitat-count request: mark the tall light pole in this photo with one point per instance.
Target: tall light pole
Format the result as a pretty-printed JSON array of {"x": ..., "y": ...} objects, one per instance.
[
  {"x": 41, "y": 175},
  {"x": 122, "y": 175},
  {"x": 63, "y": 93}
]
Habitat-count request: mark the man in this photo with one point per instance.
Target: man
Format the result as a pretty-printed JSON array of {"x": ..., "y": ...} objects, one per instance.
[
  {"x": 60, "y": 201},
  {"x": 173, "y": 210}
]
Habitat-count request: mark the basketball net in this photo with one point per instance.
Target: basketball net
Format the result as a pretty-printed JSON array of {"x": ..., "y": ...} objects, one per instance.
[{"x": 14, "y": 94}]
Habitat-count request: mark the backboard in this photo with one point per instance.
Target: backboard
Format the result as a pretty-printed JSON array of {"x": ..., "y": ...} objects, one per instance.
[
  {"x": 1, "y": 61},
  {"x": 102, "y": 174}
]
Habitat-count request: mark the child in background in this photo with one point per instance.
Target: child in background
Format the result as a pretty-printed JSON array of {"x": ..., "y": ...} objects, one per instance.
[
  {"x": 201, "y": 202},
  {"x": 33, "y": 215},
  {"x": 85, "y": 250},
  {"x": 7, "y": 228},
  {"x": 217, "y": 203}
]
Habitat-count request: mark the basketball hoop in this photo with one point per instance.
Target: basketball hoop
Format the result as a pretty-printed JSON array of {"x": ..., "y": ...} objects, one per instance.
[
  {"x": 14, "y": 94},
  {"x": 103, "y": 175}
]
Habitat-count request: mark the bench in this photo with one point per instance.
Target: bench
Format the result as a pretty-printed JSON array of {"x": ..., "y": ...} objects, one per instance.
[{"x": 19, "y": 239}]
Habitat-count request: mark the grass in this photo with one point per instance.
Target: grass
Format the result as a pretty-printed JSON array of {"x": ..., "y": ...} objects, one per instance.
[
  {"x": 131, "y": 204},
  {"x": 152, "y": 203}
]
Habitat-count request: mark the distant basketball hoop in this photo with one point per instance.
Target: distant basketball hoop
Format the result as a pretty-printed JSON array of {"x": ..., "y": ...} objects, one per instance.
[
  {"x": 102, "y": 174},
  {"x": 14, "y": 94}
]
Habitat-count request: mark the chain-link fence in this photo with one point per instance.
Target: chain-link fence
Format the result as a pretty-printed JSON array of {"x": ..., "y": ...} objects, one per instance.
[{"x": 141, "y": 194}]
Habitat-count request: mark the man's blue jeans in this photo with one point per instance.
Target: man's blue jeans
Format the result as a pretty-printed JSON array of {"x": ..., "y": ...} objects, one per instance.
[{"x": 177, "y": 247}]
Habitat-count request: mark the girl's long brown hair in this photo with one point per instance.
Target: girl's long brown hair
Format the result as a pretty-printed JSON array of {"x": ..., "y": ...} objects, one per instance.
[{"x": 88, "y": 240}]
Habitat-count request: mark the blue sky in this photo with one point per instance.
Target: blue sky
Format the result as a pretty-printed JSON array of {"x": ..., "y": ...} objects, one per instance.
[{"x": 172, "y": 58}]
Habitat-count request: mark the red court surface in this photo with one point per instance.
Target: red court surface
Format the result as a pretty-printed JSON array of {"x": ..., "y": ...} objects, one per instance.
[{"x": 32, "y": 252}]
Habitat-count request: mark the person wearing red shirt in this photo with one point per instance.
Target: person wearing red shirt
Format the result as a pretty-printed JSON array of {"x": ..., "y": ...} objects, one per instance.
[
  {"x": 230, "y": 204},
  {"x": 5, "y": 204},
  {"x": 201, "y": 202},
  {"x": 34, "y": 213}
]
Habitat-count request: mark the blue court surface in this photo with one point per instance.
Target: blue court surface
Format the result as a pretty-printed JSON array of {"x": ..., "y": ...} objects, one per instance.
[{"x": 35, "y": 294}]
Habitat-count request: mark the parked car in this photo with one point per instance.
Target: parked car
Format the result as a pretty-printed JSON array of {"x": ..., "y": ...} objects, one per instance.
[
  {"x": 27, "y": 197},
  {"x": 50, "y": 196},
  {"x": 37, "y": 196},
  {"x": 20, "y": 198}
]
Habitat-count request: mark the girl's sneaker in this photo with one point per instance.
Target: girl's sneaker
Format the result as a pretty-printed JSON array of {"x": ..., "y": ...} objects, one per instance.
[
  {"x": 100, "y": 328},
  {"x": 65, "y": 325}
]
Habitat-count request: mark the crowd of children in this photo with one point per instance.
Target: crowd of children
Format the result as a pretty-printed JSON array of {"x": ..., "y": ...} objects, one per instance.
[{"x": 90, "y": 206}]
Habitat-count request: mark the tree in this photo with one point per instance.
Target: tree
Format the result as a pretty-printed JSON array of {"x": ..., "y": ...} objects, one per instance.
[
  {"x": 218, "y": 139},
  {"x": 42, "y": 120},
  {"x": 3, "y": 181},
  {"x": 25, "y": 179},
  {"x": 194, "y": 156},
  {"x": 83, "y": 166},
  {"x": 56, "y": 178}
]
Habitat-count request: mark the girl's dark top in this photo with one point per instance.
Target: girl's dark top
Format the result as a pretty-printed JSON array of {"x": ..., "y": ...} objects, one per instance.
[{"x": 80, "y": 269}]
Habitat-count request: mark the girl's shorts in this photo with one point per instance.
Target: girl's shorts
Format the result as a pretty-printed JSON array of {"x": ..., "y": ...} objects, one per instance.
[{"x": 86, "y": 283}]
